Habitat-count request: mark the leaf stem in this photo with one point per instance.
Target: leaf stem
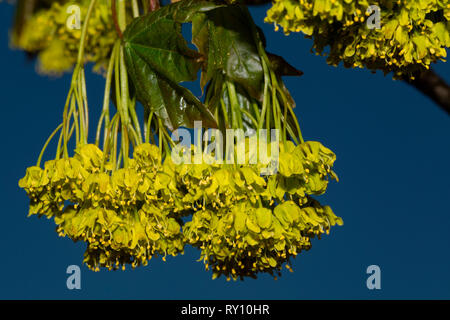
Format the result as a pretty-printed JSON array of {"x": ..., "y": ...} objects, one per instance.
[
  {"x": 46, "y": 144},
  {"x": 148, "y": 132},
  {"x": 135, "y": 8},
  {"x": 65, "y": 117},
  {"x": 134, "y": 117},
  {"x": 265, "y": 99},
  {"x": 115, "y": 134},
  {"x": 122, "y": 15},
  {"x": 85, "y": 102},
  {"x": 106, "y": 96},
  {"x": 236, "y": 110},
  {"x": 84, "y": 32}
]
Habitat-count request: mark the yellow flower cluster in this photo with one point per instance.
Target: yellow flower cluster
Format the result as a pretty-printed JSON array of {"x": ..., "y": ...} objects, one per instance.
[
  {"x": 412, "y": 34},
  {"x": 244, "y": 239},
  {"x": 47, "y": 34},
  {"x": 125, "y": 216},
  {"x": 244, "y": 223},
  {"x": 256, "y": 224}
]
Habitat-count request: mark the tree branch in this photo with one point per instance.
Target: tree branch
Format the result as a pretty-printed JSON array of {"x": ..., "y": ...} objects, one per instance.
[{"x": 433, "y": 86}]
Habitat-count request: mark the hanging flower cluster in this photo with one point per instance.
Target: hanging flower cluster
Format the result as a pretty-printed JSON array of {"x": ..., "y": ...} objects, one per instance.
[
  {"x": 254, "y": 224},
  {"x": 47, "y": 34},
  {"x": 412, "y": 34},
  {"x": 243, "y": 223},
  {"x": 131, "y": 209},
  {"x": 125, "y": 216}
]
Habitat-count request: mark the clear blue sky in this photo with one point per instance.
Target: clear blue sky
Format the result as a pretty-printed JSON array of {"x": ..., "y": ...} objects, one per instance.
[{"x": 393, "y": 151}]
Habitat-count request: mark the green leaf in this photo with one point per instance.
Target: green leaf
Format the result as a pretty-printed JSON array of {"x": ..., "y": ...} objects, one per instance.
[
  {"x": 158, "y": 59},
  {"x": 224, "y": 36}
]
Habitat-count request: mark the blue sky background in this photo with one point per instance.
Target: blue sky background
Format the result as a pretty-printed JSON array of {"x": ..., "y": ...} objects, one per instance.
[{"x": 393, "y": 151}]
